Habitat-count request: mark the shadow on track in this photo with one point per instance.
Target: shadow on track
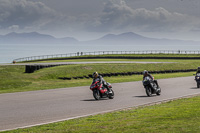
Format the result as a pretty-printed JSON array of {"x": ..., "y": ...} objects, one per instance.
[
  {"x": 140, "y": 96},
  {"x": 94, "y": 99},
  {"x": 194, "y": 88},
  {"x": 144, "y": 96}
]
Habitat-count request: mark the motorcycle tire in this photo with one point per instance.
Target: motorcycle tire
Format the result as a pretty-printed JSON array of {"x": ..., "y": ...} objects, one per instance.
[
  {"x": 111, "y": 96},
  {"x": 96, "y": 94},
  {"x": 148, "y": 91},
  {"x": 158, "y": 93}
]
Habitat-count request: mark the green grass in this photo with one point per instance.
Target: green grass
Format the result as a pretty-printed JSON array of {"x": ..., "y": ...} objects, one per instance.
[
  {"x": 86, "y": 69},
  {"x": 180, "y": 116},
  {"x": 13, "y": 78}
]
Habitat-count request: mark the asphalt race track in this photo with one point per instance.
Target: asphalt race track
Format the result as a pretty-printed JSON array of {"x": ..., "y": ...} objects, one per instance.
[{"x": 24, "y": 109}]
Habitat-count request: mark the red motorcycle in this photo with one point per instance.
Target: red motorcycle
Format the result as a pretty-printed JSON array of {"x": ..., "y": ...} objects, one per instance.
[{"x": 99, "y": 91}]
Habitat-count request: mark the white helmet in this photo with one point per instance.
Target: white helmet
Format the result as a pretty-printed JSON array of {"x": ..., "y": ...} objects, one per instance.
[{"x": 145, "y": 71}]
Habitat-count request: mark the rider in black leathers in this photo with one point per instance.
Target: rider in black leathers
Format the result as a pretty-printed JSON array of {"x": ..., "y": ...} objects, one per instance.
[
  {"x": 97, "y": 77},
  {"x": 146, "y": 73}
]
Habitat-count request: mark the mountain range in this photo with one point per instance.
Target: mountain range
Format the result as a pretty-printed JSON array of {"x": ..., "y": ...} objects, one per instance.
[
  {"x": 34, "y": 38},
  {"x": 128, "y": 38}
]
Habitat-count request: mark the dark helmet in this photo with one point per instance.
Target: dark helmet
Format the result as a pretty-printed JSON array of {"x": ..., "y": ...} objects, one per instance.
[
  {"x": 145, "y": 72},
  {"x": 95, "y": 75}
]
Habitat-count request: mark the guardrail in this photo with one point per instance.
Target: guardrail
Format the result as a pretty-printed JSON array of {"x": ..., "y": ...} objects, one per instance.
[{"x": 42, "y": 57}]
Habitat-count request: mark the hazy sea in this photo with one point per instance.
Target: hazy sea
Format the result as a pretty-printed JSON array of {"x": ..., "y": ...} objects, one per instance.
[{"x": 9, "y": 52}]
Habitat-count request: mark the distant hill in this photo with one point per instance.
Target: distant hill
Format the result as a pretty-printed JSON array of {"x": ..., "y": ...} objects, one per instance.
[
  {"x": 130, "y": 38},
  {"x": 34, "y": 38}
]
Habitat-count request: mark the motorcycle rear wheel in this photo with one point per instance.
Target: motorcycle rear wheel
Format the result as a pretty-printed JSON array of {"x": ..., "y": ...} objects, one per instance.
[{"x": 96, "y": 94}]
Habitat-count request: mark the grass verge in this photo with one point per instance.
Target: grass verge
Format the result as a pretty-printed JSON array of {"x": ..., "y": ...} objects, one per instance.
[
  {"x": 178, "y": 116},
  {"x": 13, "y": 78}
]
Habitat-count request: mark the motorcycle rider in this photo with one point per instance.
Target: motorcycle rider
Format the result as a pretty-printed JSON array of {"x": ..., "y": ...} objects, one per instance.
[
  {"x": 198, "y": 70},
  {"x": 97, "y": 77},
  {"x": 146, "y": 74}
]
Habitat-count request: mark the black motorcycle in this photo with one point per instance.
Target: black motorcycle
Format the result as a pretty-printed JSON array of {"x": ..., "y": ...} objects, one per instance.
[
  {"x": 197, "y": 78},
  {"x": 151, "y": 87}
]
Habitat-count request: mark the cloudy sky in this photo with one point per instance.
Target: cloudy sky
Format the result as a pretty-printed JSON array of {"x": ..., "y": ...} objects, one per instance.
[{"x": 91, "y": 19}]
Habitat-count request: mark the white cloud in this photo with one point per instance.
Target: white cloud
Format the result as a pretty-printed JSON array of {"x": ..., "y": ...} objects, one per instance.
[
  {"x": 14, "y": 28},
  {"x": 28, "y": 16},
  {"x": 24, "y": 13},
  {"x": 117, "y": 15}
]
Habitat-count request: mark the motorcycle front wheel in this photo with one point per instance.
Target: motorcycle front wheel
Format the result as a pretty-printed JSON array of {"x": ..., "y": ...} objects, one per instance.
[
  {"x": 197, "y": 85},
  {"x": 96, "y": 94},
  {"x": 158, "y": 92},
  {"x": 148, "y": 91},
  {"x": 111, "y": 96}
]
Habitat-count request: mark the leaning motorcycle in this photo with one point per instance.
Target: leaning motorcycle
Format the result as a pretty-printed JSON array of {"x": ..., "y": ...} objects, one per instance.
[
  {"x": 197, "y": 78},
  {"x": 151, "y": 87},
  {"x": 99, "y": 91}
]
